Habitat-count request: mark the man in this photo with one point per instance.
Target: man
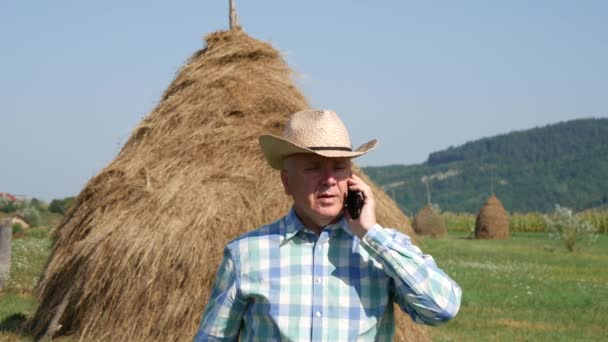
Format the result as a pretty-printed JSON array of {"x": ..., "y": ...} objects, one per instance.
[{"x": 317, "y": 274}]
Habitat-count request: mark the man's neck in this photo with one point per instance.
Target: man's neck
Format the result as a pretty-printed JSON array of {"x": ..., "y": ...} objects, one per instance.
[{"x": 315, "y": 226}]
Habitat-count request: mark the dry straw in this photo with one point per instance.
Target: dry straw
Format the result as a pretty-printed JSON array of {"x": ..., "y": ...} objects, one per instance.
[
  {"x": 429, "y": 222},
  {"x": 135, "y": 257},
  {"x": 492, "y": 221}
]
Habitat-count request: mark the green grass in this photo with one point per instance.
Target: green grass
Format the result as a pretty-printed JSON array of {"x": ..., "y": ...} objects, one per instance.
[
  {"x": 29, "y": 255},
  {"x": 527, "y": 288}
]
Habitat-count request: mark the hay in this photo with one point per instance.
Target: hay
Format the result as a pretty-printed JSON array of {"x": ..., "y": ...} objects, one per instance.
[
  {"x": 140, "y": 246},
  {"x": 429, "y": 222},
  {"x": 492, "y": 221}
]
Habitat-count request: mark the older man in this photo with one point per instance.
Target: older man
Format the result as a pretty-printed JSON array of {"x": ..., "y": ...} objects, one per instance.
[{"x": 318, "y": 274}]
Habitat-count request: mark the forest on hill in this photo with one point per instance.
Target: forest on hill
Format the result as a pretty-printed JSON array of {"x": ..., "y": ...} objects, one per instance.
[{"x": 531, "y": 170}]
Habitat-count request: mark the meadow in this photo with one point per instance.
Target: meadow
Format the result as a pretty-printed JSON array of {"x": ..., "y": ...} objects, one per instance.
[
  {"x": 31, "y": 249},
  {"x": 527, "y": 288}
]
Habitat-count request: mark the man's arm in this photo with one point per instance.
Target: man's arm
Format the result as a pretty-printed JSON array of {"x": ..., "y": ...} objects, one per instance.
[
  {"x": 223, "y": 315},
  {"x": 423, "y": 290}
]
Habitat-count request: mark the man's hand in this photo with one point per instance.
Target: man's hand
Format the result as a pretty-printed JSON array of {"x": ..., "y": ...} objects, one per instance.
[{"x": 367, "y": 218}]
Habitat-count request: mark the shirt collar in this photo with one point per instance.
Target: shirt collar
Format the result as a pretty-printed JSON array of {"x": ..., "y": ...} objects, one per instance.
[{"x": 293, "y": 225}]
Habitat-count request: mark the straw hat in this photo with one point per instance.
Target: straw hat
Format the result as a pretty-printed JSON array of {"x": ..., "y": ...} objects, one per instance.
[{"x": 312, "y": 131}]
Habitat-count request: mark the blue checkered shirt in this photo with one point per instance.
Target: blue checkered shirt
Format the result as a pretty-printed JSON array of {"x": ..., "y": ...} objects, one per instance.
[{"x": 284, "y": 282}]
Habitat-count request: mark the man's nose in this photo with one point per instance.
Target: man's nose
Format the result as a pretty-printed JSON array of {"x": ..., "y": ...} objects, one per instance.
[{"x": 329, "y": 175}]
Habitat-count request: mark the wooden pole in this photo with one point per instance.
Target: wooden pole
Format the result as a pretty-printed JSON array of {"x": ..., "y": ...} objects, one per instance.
[
  {"x": 428, "y": 191},
  {"x": 492, "y": 181},
  {"x": 54, "y": 325},
  {"x": 234, "y": 20},
  {"x": 6, "y": 237}
]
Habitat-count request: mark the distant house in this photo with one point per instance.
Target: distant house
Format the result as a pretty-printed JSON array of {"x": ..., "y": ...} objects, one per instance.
[
  {"x": 22, "y": 221},
  {"x": 8, "y": 196},
  {"x": 12, "y": 198}
]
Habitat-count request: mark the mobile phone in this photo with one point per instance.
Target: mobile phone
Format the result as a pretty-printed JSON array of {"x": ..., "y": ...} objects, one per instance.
[{"x": 354, "y": 203}]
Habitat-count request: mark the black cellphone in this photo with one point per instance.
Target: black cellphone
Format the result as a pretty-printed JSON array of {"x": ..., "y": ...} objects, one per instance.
[{"x": 354, "y": 203}]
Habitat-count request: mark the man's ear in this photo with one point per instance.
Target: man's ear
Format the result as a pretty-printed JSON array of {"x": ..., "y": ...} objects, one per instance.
[{"x": 285, "y": 181}]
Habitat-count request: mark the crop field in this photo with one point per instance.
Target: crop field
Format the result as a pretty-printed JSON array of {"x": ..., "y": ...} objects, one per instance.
[
  {"x": 527, "y": 288},
  {"x": 528, "y": 223}
]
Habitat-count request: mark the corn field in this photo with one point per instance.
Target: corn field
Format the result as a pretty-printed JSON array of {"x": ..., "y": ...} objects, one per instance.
[{"x": 528, "y": 222}]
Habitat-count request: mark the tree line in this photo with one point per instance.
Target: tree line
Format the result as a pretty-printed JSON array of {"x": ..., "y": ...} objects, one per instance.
[{"x": 532, "y": 170}]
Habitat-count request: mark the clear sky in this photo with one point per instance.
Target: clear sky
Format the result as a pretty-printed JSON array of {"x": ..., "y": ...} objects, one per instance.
[{"x": 77, "y": 76}]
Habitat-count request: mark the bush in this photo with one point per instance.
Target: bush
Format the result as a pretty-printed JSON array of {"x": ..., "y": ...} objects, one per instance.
[
  {"x": 563, "y": 225},
  {"x": 17, "y": 228},
  {"x": 38, "y": 204},
  {"x": 32, "y": 215},
  {"x": 60, "y": 206},
  {"x": 7, "y": 205}
]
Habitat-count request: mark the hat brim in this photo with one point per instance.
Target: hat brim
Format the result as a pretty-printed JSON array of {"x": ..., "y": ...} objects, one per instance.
[{"x": 276, "y": 149}]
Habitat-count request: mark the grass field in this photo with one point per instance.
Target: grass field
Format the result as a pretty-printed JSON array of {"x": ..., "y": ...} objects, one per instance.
[
  {"x": 528, "y": 288},
  {"x": 31, "y": 249}
]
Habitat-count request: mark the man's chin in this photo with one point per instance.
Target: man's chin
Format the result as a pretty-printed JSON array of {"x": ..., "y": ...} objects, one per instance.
[{"x": 329, "y": 215}]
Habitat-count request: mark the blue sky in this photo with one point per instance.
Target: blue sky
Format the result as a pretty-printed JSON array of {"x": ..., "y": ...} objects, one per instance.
[{"x": 76, "y": 76}]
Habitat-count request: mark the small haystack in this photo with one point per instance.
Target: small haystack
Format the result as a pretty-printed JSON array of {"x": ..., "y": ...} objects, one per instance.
[
  {"x": 21, "y": 221},
  {"x": 429, "y": 222},
  {"x": 136, "y": 255},
  {"x": 492, "y": 221}
]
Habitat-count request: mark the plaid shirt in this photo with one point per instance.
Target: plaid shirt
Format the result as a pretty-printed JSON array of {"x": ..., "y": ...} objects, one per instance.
[{"x": 284, "y": 282}]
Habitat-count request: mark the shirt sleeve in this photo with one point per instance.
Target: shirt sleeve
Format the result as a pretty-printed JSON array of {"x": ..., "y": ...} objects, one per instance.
[
  {"x": 422, "y": 290},
  {"x": 222, "y": 318}
]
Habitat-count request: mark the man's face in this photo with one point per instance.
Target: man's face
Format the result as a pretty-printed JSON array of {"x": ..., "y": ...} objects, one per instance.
[{"x": 318, "y": 186}]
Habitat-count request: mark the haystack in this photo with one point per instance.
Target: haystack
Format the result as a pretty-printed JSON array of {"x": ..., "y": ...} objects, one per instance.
[
  {"x": 492, "y": 221},
  {"x": 429, "y": 222},
  {"x": 136, "y": 255}
]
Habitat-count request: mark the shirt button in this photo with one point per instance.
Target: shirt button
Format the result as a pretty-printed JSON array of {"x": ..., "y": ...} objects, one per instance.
[
  {"x": 318, "y": 313},
  {"x": 317, "y": 280}
]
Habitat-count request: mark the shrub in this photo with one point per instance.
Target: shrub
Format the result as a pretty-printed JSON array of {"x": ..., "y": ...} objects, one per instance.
[
  {"x": 36, "y": 203},
  {"x": 7, "y": 205},
  {"x": 56, "y": 207},
  {"x": 17, "y": 228},
  {"x": 565, "y": 226},
  {"x": 60, "y": 206},
  {"x": 32, "y": 215}
]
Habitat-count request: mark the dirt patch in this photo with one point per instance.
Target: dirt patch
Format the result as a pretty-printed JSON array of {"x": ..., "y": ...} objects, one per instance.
[{"x": 539, "y": 326}]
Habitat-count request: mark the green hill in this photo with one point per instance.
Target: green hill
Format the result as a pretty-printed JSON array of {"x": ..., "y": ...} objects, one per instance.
[{"x": 531, "y": 170}]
